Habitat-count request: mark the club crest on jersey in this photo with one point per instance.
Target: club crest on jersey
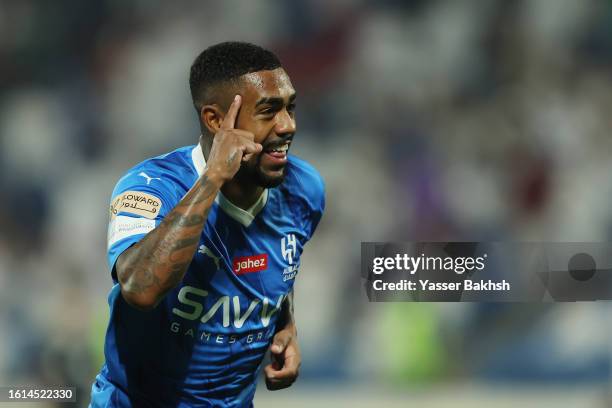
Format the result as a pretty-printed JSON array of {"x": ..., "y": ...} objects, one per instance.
[
  {"x": 288, "y": 248},
  {"x": 248, "y": 264},
  {"x": 289, "y": 252}
]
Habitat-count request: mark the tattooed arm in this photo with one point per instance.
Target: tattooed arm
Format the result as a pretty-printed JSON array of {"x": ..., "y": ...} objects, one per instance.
[{"x": 157, "y": 263}]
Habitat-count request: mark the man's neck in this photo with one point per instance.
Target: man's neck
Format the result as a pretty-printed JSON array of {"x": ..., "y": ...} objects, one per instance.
[{"x": 241, "y": 196}]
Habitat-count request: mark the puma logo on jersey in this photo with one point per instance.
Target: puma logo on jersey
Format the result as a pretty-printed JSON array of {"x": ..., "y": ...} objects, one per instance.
[
  {"x": 205, "y": 251},
  {"x": 146, "y": 176}
]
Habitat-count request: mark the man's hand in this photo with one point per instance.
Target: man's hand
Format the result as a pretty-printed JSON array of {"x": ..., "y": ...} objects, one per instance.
[
  {"x": 286, "y": 360},
  {"x": 230, "y": 146}
]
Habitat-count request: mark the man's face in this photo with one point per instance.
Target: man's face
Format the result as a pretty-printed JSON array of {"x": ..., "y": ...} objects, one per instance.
[{"x": 267, "y": 110}]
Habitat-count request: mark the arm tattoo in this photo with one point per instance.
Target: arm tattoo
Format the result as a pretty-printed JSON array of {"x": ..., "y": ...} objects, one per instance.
[{"x": 158, "y": 262}]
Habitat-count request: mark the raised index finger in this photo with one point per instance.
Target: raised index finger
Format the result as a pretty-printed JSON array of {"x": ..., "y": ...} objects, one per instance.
[{"x": 232, "y": 113}]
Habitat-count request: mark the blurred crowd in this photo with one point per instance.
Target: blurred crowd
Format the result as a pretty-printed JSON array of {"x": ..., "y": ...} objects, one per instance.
[{"x": 429, "y": 120}]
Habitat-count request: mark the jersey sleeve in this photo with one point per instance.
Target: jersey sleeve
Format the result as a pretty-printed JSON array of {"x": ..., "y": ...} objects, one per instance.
[
  {"x": 139, "y": 203},
  {"x": 317, "y": 206},
  {"x": 306, "y": 190}
]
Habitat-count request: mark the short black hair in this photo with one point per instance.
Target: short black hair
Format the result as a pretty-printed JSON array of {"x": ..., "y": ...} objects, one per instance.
[{"x": 225, "y": 62}]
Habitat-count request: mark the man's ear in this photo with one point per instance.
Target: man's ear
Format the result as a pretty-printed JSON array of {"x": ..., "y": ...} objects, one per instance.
[{"x": 211, "y": 117}]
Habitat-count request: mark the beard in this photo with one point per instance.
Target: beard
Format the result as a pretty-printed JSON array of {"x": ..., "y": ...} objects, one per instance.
[{"x": 251, "y": 172}]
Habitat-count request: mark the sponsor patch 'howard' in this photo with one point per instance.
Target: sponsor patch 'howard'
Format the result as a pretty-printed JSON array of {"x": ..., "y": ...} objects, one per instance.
[{"x": 137, "y": 203}]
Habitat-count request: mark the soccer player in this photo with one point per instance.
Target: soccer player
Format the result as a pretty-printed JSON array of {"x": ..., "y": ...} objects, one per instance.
[{"x": 204, "y": 245}]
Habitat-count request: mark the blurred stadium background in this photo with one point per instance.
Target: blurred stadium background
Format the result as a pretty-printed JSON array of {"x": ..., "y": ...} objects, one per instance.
[{"x": 429, "y": 120}]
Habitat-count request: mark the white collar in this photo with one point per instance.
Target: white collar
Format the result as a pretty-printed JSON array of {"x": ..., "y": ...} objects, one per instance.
[
  {"x": 244, "y": 217},
  {"x": 199, "y": 162}
]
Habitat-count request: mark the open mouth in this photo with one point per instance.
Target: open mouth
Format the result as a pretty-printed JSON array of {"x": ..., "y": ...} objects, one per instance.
[{"x": 277, "y": 154}]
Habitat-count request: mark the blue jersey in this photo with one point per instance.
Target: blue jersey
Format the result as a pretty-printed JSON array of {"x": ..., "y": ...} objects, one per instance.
[{"x": 204, "y": 343}]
